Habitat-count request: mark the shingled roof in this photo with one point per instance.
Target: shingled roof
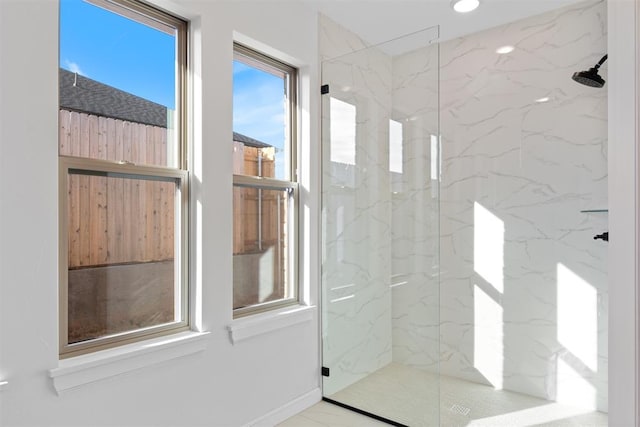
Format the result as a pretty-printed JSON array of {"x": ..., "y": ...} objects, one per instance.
[
  {"x": 238, "y": 137},
  {"x": 79, "y": 93}
]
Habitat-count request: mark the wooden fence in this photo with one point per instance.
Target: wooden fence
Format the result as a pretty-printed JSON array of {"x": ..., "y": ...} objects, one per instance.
[
  {"x": 259, "y": 233},
  {"x": 85, "y": 135},
  {"x": 259, "y": 219},
  {"x": 116, "y": 220}
]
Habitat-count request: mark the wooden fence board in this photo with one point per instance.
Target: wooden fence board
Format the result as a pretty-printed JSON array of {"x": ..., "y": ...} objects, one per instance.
[
  {"x": 128, "y": 230},
  {"x": 73, "y": 183},
  {"x": 63, "y": 134},
  {"x": 83, "y": 214},
  {"x": 114, "y": 220},
  {"x": 127, "y": 137}
]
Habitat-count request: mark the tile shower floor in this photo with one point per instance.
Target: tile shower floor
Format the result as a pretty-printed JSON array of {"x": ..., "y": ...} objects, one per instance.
[{"x": 404, "y": 394}]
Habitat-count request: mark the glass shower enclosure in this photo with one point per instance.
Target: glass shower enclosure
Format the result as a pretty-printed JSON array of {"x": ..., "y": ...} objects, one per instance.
[
  {"x": 464, "y": 198},
  {"x": 380, "y": 225}
]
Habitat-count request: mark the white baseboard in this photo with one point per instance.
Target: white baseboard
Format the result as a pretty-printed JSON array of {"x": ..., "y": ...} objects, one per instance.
[{"x": 288, "y": 410}]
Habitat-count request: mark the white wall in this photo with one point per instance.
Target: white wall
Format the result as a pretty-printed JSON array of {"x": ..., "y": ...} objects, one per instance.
[
  {"x": 623, "y": 199},
  {"x": 226, "y": 384}
]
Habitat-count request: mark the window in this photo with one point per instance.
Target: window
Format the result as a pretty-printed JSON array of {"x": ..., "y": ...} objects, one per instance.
[
  {"x": 265, "y": 191},
  {"x": 123, "y": 180}
]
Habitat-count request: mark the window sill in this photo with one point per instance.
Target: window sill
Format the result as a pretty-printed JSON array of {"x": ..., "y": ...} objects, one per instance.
[
  {"x": 3, "y": 385},
  {"x": 258, "y": 324},
  {"x": 77, "y": 371}
]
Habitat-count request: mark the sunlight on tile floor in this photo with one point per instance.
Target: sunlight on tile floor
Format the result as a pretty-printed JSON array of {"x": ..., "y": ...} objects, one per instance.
[{"x": 403, "y": 394}]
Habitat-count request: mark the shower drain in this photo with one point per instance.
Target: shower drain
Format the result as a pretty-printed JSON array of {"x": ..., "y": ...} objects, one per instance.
[{"x": 459, "y": 409}]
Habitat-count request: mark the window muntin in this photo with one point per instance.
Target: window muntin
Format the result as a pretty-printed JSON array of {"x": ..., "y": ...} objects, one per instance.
[
  {"x": 123, "y": 181},
  {"x": 265, "y": 192}
]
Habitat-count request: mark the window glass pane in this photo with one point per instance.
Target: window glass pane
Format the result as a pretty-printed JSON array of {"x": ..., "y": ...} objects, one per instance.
[
  {"x": 118, "y": 85},
  {"x": 260, "y": 246},
  {"x": 260, "y": 120},
  {"x": 121, "y": 245}
]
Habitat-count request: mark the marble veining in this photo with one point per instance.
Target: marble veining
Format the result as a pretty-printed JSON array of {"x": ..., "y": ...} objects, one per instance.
[
  {"x": 467, "y": 254},
  {"x": 356, "y": 230},
  {"x": 533, "y": 166}
]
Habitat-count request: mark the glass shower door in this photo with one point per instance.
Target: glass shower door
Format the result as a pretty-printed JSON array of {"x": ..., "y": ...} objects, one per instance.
[{"x": 380, "y": 213}]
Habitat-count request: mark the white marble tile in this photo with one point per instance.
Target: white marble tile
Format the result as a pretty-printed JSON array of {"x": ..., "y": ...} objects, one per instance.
[
  {"x": 515, "y": 176},
  {"x": 380, "y": 228},
  {"x": 335, "y": 40},
  {"x": 533, "y": 166},
  {"x": 356, "y": 207}
]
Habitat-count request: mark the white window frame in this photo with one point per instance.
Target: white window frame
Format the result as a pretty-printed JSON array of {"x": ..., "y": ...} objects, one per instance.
[
  {"x": 162, "y": 21},
  {"x": 266, "y": 63}
]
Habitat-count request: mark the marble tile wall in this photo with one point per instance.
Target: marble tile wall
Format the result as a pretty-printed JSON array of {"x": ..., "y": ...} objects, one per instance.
[
  {"x": 524, "y": 284},
  {"x": 380, "y": 232},
  {"x": 415, "y": 216},
  {"x": 522, "y": 299},
  {"x": 355, "y": 210}
]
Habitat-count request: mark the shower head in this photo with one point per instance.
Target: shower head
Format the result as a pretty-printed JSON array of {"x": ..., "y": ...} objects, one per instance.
[{"x": 591, "y": 77}]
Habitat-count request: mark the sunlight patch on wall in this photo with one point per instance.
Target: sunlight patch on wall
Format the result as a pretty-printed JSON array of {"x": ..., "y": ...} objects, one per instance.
[
  {"x": 488, "y": 246},
  {"x": 578, "y": 317},
  {"x": 573, "y": 388},
  {"x": 342, "y": 132},
  {"x": 488, "y": 343}
]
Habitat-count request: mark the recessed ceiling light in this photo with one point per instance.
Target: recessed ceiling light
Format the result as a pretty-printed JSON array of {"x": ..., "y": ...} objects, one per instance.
[
  {"x": 505, "y": 49},
  {"x": 543, "y": 100},
  {"x": 464, "y": 6}
]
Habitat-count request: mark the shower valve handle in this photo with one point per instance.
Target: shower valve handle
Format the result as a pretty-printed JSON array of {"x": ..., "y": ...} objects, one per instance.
[{"x": 603, "y": 236}]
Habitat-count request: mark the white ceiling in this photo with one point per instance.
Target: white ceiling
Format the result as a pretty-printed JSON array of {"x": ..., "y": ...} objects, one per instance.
[{"x": 378, "y": 21}]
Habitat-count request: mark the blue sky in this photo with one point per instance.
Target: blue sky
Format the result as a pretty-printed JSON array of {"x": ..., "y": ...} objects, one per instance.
[
  {"x": 138, "y": 59},
  {"x": 258, "y": 107},
  {"x": 116, "y": 51}
]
